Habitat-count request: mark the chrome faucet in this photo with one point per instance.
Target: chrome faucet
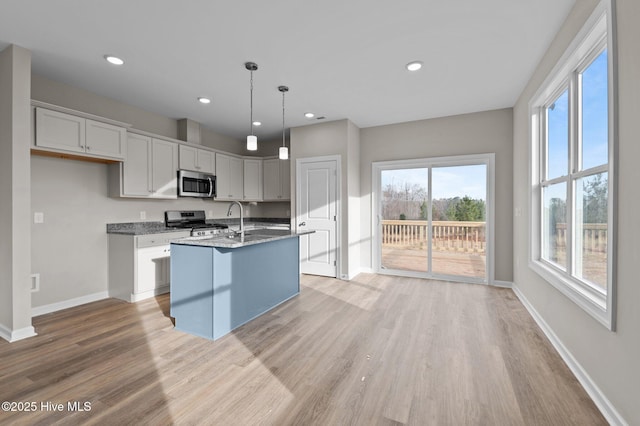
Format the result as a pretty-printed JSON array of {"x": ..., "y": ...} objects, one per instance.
[{"x": 241, "y": 232}]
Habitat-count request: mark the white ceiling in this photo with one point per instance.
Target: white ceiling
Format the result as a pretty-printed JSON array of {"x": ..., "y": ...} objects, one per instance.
[{"x": 340, "y": 58}]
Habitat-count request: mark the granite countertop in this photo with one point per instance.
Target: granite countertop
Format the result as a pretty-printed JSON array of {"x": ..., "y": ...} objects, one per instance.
[
  {"x": 146, "y": 228},
  {"x": 140, "y": 228},
  {"x": 251, "y": 237}
]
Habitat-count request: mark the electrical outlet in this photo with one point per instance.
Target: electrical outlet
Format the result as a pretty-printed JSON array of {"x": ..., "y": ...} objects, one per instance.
[
  {"x": 143, "y": 215},
  {"x": 210, "y": 214},
  {"x": 288, "y": 213},
  {"x": 38, "y": 217},
  {"x": 35, "y": 283}
]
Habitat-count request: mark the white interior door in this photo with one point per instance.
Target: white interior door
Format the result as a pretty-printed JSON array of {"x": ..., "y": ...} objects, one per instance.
[{"x": 317, "y": 211}]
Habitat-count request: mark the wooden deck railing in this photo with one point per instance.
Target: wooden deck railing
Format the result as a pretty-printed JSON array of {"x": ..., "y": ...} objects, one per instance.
[
  {"x": 447, "y": 235},
  {"x": 594, "y": 237},
  {"x": 470, "y": 237}
]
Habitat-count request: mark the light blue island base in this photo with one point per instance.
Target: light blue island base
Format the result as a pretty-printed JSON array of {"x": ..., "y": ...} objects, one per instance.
[{"x": 215, "y": 289}]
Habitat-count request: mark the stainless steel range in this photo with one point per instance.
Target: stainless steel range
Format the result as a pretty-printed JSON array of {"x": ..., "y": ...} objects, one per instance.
[{"x": 194, "y": 220}]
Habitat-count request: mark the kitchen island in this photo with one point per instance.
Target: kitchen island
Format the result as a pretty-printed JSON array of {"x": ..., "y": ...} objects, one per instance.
[{"x": 220, "y": 283}]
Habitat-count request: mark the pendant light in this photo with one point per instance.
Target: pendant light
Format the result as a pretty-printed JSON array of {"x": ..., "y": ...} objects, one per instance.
[
  {"x": 284, "y": 151},
  {"x": 252, "y": 140}
]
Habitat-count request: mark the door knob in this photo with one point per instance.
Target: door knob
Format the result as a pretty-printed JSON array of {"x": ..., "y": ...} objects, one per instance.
[{"x": 302, "y": 223}]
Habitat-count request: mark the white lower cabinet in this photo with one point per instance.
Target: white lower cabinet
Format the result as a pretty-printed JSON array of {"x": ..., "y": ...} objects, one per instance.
[
  {"x": 139, "y": 266},
  {"x": 153, "y": 269}
]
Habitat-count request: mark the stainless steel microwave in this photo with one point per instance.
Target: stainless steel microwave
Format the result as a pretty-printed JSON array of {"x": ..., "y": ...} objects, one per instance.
[{"x": 195, "y": 184}]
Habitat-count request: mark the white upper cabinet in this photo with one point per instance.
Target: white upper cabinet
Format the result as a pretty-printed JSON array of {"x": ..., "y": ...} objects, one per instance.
[
  {"x": 105, "y": 140},
  {"x": 150, "y": 170},
  {"x": 252, "y": 179},
  {"x": 136, "y": 171},
  {"x": 276, "y": 180},
  {"x": 58, "y": 131},
  {"x": 229, "y": 177},
  {"x": 164, "y": 167},
  {"x": 197, "y": 160}
]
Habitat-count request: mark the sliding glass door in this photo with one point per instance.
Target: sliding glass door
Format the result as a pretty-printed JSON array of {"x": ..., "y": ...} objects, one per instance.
[
  {"x": 404, "y": 208},
  {"x": 433, "y": 217},
  {"x": 459, "y": 221}
]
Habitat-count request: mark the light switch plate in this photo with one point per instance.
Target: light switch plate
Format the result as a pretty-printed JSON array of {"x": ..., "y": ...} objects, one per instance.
[
  {"x": 38, "y": 217},
  {"x": 143, "y": 215}
]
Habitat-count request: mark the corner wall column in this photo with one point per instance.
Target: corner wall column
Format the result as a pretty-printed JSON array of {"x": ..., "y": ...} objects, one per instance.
[{"x": 15, "y": 194}]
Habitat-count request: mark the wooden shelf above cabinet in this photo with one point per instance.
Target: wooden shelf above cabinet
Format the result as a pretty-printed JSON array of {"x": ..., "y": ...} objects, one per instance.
[{"x": 43, "y": 153}]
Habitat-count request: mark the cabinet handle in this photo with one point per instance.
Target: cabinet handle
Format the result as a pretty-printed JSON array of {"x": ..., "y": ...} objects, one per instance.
[{"x": 302, "y": 223}]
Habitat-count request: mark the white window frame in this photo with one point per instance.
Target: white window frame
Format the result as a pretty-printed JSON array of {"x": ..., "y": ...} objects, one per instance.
[{"x": 597, "y": 33}]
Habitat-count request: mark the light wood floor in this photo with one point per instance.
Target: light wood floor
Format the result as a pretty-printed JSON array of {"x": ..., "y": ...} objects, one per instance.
[{"x": 378, "y": 350}]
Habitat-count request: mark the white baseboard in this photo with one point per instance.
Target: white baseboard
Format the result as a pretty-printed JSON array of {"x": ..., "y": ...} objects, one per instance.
[
  {"x": 505, "y": 284},
  {"x": 604, "y": 405},
  {"x": 356, "y": 273},
  {"x": 58, "y": 306},
  {"x": 136, "y": 297},
  {"x": 15, "y": 335}
]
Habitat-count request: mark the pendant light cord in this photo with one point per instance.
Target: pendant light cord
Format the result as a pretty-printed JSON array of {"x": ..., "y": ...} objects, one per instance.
[
  {"x": 283, "y": 138},
  {"x": 251, "y": 102}
]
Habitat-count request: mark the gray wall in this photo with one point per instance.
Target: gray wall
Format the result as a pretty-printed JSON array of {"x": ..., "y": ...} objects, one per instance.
[
  {"x": 609, "y": 358},
  {"x": 69, "y": 249},
  {"x": 478, "y": 133},
  {"x": 15, "y": 134}
]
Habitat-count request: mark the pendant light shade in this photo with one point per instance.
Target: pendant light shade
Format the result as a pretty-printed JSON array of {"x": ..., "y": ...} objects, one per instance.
[
  {"x": 252, "y": 140},
  {"x": 252, "y": 143},
  {"x": 283, "y": 153}
]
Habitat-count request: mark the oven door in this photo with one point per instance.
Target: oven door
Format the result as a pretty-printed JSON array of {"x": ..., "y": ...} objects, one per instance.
[{"x": 194, "y": 184}]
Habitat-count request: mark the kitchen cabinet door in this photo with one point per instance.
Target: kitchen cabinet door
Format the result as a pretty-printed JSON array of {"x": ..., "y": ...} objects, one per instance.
[
  {"x": 252, "y": 180},
  {"x": 285, "y": 179},
  {"x": 236, "y": 169},
  {"x": 276, "y": 180},
  {"x": 229, "y": 177},
  {"x": 197, "y": 160},
  {"x": 105, "y": 140},
  {"x": 188, "y": 158},
  {"x": 206, "y": 162},
  {"x": 136, "y": 170},
  {"x": 61, "y": 131},
  {"x": 164, "y": 167}
]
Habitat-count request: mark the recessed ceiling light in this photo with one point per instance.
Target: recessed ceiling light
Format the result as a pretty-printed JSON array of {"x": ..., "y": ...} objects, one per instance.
[
  {"x": 414, "y": 66},
  {"x": 309, "y": 114},
  {"x": 114, "y": 60},
  {"x": 257, "y": 123},
  {"x": 204, "y": 100}
]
